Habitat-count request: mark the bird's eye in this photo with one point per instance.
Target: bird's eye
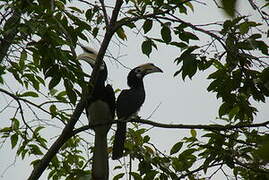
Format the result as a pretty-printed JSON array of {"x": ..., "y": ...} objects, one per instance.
[{"x": 138, "y": 70}]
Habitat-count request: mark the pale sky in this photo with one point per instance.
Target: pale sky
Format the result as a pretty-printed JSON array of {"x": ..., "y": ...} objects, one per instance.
[{"x": 184, "y": 102}]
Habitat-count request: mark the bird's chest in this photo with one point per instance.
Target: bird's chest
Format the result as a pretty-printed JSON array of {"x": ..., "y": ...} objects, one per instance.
[{"x": 98, "y": 112}]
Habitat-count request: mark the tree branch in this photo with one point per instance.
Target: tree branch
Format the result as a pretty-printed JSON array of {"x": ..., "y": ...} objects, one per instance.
[
  {"x": 105, "y": 13},
  {"x": 205, "y": 127},
  {"x": 211, "y": 127},
  {"x": 28, "y": 102}
]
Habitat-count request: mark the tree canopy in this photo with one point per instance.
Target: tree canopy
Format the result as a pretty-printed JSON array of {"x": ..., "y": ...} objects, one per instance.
[{"x": 46, "y": 89}]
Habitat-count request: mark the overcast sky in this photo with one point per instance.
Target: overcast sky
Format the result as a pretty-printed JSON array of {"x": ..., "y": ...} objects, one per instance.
[{"x": 178, "y": 101}]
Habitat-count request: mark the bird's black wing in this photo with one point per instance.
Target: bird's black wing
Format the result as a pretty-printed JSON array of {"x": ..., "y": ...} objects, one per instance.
[{"x": 128, "y": 103}]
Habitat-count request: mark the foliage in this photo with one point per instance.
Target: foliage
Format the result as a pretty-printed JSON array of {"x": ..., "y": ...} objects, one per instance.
[{"x": 42, "y": 60}]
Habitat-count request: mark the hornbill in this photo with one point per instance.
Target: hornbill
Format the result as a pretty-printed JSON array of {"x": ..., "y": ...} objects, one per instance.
[
  {"x": 129, "y": 103},
  {"x": 100, "y": 110}
]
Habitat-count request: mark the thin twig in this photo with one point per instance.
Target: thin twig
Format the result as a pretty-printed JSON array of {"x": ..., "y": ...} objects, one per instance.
[
  {"x": 105, "y": 13},
  {"x": 28, "y": 102}
]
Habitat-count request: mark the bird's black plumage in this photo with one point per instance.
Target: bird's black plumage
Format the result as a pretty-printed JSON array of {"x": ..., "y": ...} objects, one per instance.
[
  {"x": 102, "y": 92},
  {"x": 129, "y": 103},
  {"x": 100, "y": 112}
]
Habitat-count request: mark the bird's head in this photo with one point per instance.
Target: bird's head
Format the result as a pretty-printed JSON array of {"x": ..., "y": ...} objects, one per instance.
[
  {"x": 137, "y": 74},
  {"x": 89, "y": 55}
]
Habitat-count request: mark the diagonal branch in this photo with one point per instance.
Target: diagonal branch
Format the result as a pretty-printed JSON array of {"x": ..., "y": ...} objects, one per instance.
[{"x": 67, "y": 131}]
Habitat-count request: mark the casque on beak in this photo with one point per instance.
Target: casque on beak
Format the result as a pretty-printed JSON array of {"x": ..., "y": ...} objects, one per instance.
[
  {"x": 149, "y": 68},
  {"x": 89, "y": 55}
]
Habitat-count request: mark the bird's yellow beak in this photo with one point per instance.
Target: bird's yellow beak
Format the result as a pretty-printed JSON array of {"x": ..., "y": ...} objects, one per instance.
[{"x": 149, "y": 68}]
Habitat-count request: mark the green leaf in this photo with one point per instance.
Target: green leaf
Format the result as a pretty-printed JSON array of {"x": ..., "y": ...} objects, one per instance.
[
  {"x": 262, "y": 151},
  {"x": 146, "y": 139},
  {"x": 147, "y": 25},
  {"x": 118, "y": 176},
  {"x": 95, "y": 31},
  {"x": 187, "y": 36},
  {"x": 189, "y": 67},
  {"x": 2, "y": 72},
  {"x": 178, "y": 165},
  {"x": 193, "y": 133},
  {"x": 53, "y": 110},
  {"x": 52, "y": 71},
  {"x": 190, "y": 63},
  {"x": 179, "y": 44},
  {"x": 263, "y": 47},
  {"x": 176, "y": 147},
  {"x": 38, "y": 129},
  {"x": 136, "y": 176},
  {"x": 55, "y": 81},
  {"x": 70, "y": 91},
  {"x": 189, "y": 4},
  {"x": 233, "y": 112},
  {"x": 60, "y": 5},
  {"x": 85, "y": 176},
  {"x": 150, "y": 175},
  {"x": 35, "y": 149},
  {"x": 224, "y": 109},
  {"x": 229, "y": 6},
  {"x": 144, "y": 167},
  {"x": 6, "y": 129},
  {"x": 23, "y": 58},
  {"x": 15, "y": 123},
  {"x": 244, "y": 28},
  {"x": 14, "y": 139},
  {"x": 166, "y": 34},
  {"x": 147, "y": 47},
  {"x": 29, "y": 93},
  {"x": 121, "y": 34},
  {"x": 208, "y": 160}
]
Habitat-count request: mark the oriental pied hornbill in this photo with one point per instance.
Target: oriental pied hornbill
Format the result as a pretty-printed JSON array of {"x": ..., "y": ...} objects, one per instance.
[
  {"x": 100, "y": 110},
  {"x": 129, "y": 103}
]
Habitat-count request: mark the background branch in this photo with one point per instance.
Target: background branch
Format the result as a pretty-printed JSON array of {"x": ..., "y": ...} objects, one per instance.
[{"x": 8, "y": 36}]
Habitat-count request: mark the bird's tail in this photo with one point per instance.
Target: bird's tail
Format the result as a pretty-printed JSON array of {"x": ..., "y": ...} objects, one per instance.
[{"x": 120, "y": 136}]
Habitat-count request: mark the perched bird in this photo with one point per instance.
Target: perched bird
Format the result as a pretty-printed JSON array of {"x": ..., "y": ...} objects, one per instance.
[
  {"x": 129, "y": 103},
  {"x": 100, "y": 110}
]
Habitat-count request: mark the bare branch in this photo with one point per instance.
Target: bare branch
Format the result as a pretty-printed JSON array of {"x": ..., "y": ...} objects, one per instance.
[
  {"x": 105, "y": 13},
  {"x": 212, "y": 127},
  {"x": 206, "y": 127}
]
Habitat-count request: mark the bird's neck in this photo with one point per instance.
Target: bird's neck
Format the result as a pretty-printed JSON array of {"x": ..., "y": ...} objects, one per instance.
[
  {"x": 100, "y": 84},
  {"x": 138, "y": 84}
]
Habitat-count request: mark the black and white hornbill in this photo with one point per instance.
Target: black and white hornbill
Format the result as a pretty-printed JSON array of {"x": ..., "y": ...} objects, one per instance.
[
  {"x": 129, "y": 103},
  {"x": 100, "y": 110}
]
